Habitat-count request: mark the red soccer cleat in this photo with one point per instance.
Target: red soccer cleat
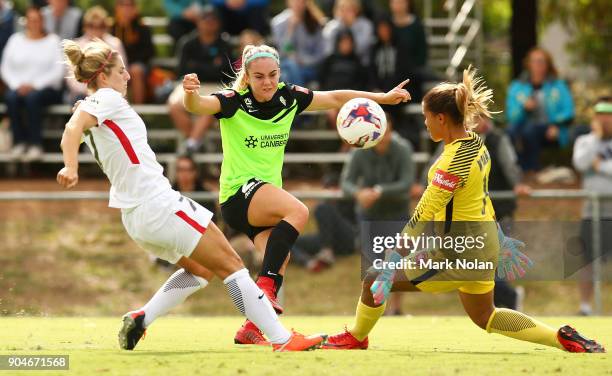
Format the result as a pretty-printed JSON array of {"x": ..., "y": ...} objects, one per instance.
[
  {"x": 249, "y": 334},
  {"x": 345, "y": 341},
  {"x": 300, "y": 342},
  {"x": 266, "y": 284},
  {"x": 572, "y": 341}
]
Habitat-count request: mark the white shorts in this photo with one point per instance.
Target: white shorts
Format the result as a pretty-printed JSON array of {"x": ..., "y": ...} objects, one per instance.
[{"x": 169, "y": 225}]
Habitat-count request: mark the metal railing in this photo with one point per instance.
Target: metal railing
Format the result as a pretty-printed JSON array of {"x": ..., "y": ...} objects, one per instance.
[
  {"x": 593, "y": 197},
  {"x": 455, "y": 38}
]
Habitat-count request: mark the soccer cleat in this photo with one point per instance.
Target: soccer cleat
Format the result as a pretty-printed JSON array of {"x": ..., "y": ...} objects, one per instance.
[
  {"x": 572, "y": 341},
  {"x": 249, "y": 334},
  {"x": 266, "y": 284},
  {"x": 345, "y": 341},
  {"x": 300, "y": 342},
  {"x": 132, "y": 330}
]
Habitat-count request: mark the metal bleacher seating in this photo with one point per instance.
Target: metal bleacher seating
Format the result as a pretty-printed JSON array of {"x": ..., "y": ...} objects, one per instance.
[{"x": 162, "y": 40}]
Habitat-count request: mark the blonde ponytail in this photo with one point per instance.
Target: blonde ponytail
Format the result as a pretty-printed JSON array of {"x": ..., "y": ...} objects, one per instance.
[
  {"x": 248, "y": 55},
  {"x": 473, "y": 97},
  {"x": 463, "y": 101},
  {"x": 88, "y": 62}
]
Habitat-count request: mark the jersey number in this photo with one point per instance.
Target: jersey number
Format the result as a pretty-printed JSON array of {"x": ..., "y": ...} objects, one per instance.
[{"x": 485, "y": 189}]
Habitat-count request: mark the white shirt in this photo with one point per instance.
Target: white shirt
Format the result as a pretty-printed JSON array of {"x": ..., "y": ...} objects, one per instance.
[
  {"x": 119, "y": 144},
  {"x": 36, "y": 62}
]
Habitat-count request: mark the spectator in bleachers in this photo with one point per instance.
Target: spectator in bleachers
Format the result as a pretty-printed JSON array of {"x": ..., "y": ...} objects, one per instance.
[
  {"x": 297, "y": 33},
  {"x": 383, "y": 72},
  {"x": 336, "y": 235},
  {"x": 342, "y": 69},
  {"x": 539, "y": 107},
  {"x": 247, "y": 37},
  {"x": 238, "y": 15},
  {"x": 7, "y": 23},
  {"x": 208, "y": 55},
  {"x": 593, "y": 157},
  {"x": 138, "y": 42},
  {"x": 380, "y": 179},
  {"x": 411, "y": 43},
  {"x": 347, "y": 15},
  {"x": 96, "y": 24},
  {"x": 62, "y": 19},
  {"x": 188, "y": 180},
  {"x": 33, "y": 71},
  {"x": 183, "y": 15}
]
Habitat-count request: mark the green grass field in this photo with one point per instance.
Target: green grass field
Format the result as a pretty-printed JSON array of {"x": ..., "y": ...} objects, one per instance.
[{"x": 423, "y": 345}]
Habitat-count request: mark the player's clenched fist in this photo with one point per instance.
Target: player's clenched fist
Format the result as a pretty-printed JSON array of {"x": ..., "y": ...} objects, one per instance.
[
  {"x": 67, "y": 177},
  {"x": 191, "y": 84}
]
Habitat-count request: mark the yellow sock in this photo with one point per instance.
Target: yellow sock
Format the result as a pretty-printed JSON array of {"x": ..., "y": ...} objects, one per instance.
[
  {"x": 517, "y": 325},
  {"x": 365, "y": 319}
]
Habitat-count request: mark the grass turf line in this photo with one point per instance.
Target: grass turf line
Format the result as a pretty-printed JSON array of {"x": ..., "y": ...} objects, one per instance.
[{"x": 203, "y": 345}]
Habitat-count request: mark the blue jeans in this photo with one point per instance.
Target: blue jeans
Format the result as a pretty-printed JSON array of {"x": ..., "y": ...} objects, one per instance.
[
  {"x": 528, "y": 139},
  {"x": 297, "y": 74},
  {"x": 335, "y": 232},
  {"x": 26, "y": 113}
]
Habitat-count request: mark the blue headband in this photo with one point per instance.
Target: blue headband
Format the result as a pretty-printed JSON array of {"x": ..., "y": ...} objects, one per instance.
[{"x": 261, "y": 54}]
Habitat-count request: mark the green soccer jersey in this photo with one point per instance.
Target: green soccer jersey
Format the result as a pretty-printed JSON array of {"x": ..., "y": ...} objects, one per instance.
[{"x": 254, "y": 135}]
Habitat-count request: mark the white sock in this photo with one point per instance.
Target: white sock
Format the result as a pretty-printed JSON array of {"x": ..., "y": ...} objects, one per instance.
[
  {"x": 252, "y": 302},
  {"x": 173, "y": 292}
]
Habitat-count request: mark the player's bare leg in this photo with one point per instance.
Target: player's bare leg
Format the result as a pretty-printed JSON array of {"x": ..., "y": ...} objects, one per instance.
[
  {"x": 276, "y": 208},
  {"x": 215, "y": 253}
]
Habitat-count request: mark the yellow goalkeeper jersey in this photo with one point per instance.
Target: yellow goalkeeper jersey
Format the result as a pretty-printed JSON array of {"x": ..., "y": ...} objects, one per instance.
[{"x": 458, "y": 186}]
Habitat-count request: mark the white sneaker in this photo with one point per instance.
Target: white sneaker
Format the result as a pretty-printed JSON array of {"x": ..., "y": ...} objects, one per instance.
[
  {"x": 34, "y": 153},
  {"x": 17, "y": 151}
]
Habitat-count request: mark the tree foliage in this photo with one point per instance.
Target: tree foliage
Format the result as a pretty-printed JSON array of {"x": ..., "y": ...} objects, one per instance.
[{"x": 590, "y": 22}]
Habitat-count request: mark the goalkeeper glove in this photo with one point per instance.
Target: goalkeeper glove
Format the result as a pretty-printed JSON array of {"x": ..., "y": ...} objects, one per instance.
[
  {"x": 511, "y": 259},
  {"x": 384, "y": 281}
]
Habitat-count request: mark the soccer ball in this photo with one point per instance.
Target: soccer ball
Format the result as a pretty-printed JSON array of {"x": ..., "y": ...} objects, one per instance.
[{"x": 361, "y": 123}]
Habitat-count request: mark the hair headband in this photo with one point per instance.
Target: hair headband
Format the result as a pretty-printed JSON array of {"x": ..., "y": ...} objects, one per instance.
[
  {"x": 603, "y": 108},
  {"x": 101, "y": 67},
  {"x": 262, "y": 54}
]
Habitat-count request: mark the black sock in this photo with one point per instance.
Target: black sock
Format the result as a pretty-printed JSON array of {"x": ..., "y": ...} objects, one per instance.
[
  {"x": 277, "y": 249},
  {"x": 278, "y": 282}
]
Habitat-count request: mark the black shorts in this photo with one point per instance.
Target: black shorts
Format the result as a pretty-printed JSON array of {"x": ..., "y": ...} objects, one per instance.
[{"x": 235, "y": 210}]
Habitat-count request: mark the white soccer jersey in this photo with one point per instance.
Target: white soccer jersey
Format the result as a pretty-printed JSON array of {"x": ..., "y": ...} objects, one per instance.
[{"x": 119, "y": 144}]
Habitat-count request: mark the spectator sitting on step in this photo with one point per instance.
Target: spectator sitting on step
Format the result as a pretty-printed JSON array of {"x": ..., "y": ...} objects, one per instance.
[
  {"x": 593, "y": 157},
  {"x": 342, "y": 70},
  {"x": 33, "y": 72},
  {"x": 138, "y": 42},
  {"x": 411, "y": 43},
  {"x": 347, "y": 16},
  {"x": 297, "y": 32},
  {"x": 247, "y": 37},
  {"x": 239, "y": 15},
  {"x": 62, "y": 19},
  {"x": 96, "y": 25},
  {"x": 336, "y": 233},
  {"x": 539, "y": 107},
  {"x": 183, "y": 15},
  {"x": 207, "y": 54},
  {"x": 379, "y": 179}
]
